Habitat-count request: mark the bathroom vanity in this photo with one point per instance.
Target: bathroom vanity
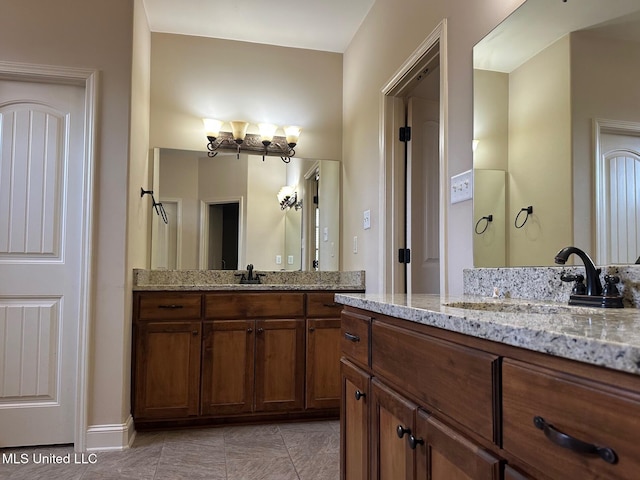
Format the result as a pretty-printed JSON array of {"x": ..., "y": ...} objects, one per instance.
[
  {"x": 206, "y": 352},
  {"x": 481, "y": 388}
]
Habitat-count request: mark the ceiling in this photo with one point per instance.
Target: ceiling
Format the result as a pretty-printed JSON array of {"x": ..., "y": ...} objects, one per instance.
[
  {"x": 537, "y": 24},
  {"x": 327, "y": 25}
]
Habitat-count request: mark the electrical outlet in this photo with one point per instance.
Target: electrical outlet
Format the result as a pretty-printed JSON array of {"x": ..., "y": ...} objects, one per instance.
[
  {"x": 278, "y": 259},
  {"x": 462, "y": 187},
  {"x": 290, "y": 259},
  {"x": 366, "y": 219},
  {"x": 355, "y": 244}
]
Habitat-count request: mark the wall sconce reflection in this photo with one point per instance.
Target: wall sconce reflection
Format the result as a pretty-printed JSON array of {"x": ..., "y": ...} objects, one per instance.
[{"x": 288, "y": 198}]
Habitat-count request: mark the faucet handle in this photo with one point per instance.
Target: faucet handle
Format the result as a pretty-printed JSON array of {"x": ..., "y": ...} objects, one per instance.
[
  {"x": 579, "y": 288},
  {"x": 610, "y": 289}
]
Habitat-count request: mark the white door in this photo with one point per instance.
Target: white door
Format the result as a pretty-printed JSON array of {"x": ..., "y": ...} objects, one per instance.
[
  {"x": 620, "y": 222},
  {"x": 423, "y": 190},
  {"x": 41, "y": 205}
]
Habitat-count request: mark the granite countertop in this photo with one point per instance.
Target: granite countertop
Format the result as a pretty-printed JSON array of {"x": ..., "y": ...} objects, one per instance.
[
  {"x": 604, "y": 337},
  {"x": 229, "y": 280}
]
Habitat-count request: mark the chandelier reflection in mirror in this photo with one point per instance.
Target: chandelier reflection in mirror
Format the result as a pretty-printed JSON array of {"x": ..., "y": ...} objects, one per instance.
[
  {"x": 288, "y": 198},
  {"x": 266, "y": 143}
]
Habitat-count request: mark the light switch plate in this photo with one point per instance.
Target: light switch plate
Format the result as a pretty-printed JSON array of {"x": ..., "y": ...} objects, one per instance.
[
  {"x": 462, "y": 187},
  {"x": 366, "y": 219}
]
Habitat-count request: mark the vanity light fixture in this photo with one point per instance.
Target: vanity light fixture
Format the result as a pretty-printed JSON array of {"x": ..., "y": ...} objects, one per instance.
[
  {"x": 239, "y": 140},
  {"x": 288, "y": 198}
]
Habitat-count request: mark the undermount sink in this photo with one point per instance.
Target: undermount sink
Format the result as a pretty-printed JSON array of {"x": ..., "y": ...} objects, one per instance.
[{"x": 505, "y": 307}]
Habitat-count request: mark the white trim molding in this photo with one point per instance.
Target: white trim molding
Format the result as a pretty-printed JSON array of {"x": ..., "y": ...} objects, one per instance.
[
  {"x": 389, "y": 168},
  {"x": 114, "y": 437}
]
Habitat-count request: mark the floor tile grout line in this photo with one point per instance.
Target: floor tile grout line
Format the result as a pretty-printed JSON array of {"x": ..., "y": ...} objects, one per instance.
[{"x": 295, "y": 469}]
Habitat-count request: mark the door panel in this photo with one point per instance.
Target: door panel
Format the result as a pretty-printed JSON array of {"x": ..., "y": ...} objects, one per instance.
[
  {"x": 227, "y": 367},
  {"x": 392, "y": 459},
  {"x": 423, "y": 204},
  {"x": 42, "y": 172},
  {"x": 621, "y": 194},
  {"x": 279, "y": 365}
]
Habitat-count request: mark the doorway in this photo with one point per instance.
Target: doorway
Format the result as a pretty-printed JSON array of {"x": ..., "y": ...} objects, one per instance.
[
  {"x": 415, "y": 173},
  {"x": 617, "y": 192},
  {"x": 224, "y": 221},
  {"x": 221, "y": 226}
]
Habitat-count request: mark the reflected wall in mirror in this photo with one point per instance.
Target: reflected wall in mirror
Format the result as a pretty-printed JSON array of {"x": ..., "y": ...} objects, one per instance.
[
  {"x": 543, "y": 79},
  {"x": 224, "y": 212}
]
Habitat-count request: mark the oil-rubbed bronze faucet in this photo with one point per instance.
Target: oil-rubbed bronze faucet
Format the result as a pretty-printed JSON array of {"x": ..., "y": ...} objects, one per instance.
[
  {"x": 593, "y": 296},
  {"x": 251, "y": 278}
]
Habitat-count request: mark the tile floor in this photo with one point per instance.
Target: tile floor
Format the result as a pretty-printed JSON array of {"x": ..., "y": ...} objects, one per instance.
[{"x": 289, "y": 451}]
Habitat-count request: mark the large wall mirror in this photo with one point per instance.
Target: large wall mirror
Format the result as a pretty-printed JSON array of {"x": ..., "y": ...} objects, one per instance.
[
  {"x": 224, "y": 212},
  {"x": 557, "y": 128}
]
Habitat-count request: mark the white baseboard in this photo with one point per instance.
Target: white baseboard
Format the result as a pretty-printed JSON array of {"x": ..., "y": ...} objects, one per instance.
[{"x": 114, "y": 437}]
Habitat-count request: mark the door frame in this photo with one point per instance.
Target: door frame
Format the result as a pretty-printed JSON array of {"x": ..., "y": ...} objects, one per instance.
[
  {"x": 392, "y": 161},
  {"x": 603, "y": 126},
  {"x": 203, "y": 238},
  {"x": 89, "y": 80}
]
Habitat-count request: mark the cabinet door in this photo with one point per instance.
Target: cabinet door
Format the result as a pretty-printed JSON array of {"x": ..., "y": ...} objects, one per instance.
[
  {"x": 167, "y": 369},
  {"x": 354, "y": 423},
  {"x": 227, "y": 367},
  {"x": 279, "y": 365},
  {"x": 393, "y": 422},
  {"x": 444, "y": 454},
  {"x": 323, "y": 363}
]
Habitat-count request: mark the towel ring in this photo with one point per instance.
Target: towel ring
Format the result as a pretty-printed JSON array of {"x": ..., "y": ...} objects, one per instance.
[
  {"x": 488, "y": 218},
  {"x": 529, "y": 211}
]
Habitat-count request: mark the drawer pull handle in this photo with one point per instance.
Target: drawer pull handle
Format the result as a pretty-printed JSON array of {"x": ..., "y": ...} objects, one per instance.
[
  {"x": 414, "y": 442},
  {"x": 401, "y": 431},
  {"x": 330, "y": 305},
  {"x": 171, "y": 307},
  {"x": 360, "y": 394},
  {"x": 573, "y": 444},
  {"x": 351, "y": 337}
]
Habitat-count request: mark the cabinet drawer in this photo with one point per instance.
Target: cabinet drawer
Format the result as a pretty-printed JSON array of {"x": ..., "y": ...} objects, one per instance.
[
  {"x": 322, "y": 305},
  {"x": 354, "y": 338},
  {"x": 169, "y": 306},
  {"x": 458, "y": 381},
  {"x": 573, "y": 409},
  {"x": 254, "y": 305}
]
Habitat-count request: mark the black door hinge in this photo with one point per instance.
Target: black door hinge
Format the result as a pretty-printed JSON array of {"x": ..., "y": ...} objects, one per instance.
[
  {"x": 404, "y": 255},
  {"x": 405, "y": 134}
]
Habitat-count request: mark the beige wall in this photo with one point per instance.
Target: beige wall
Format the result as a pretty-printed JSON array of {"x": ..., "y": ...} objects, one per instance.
[
  {"x": 392, "y": 30},
  {"x": 604, "y": 84},
  {"x": 95, "y": 34},
  {"x": 196, "y": 77},
  {"x": 540, "y": 157},
  {"x": 179, "y": 181},
  {"x": 491, "y": 119},
  {"x": 265, "y": 220},
  {"x": 138, "y": 224}
]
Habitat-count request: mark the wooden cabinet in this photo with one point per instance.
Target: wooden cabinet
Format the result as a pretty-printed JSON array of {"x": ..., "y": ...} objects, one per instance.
[
  {"x": 392, "y": 426},
  {"x": 279, "y": 365},
  {"x": 448, "y": 406},
  {"x": 228, "y": 367},
  {"x": 217, "y": 357},
  {"x": 570, "y": 427},
  {"x": 322, "y": 377},
  {"x": 354, "y": 422},
  {"x": 445, "y": 454},
  {"x": 167, "y": 369}
]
